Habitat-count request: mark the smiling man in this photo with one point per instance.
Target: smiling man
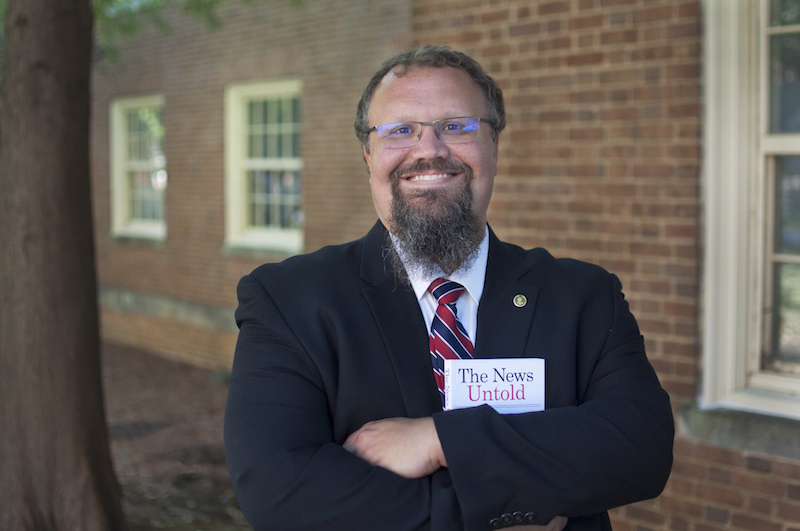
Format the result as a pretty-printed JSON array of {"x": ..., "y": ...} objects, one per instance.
[{"x": 335, "y": 415}]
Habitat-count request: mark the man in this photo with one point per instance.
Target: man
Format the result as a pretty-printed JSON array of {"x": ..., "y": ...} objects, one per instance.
[{"x": 335, "y": 418}]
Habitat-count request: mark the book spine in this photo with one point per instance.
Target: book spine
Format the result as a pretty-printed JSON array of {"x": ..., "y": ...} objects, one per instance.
[{"x": 448, "y": 396}]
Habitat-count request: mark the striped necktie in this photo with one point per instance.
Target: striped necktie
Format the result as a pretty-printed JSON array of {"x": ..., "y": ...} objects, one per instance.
[{"x": 448, "y": 338}]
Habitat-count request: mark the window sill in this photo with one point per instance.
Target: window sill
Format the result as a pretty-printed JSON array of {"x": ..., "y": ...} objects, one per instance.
[
  {"x": 741, "y": 430},
  {"x": 141, "y": 230}
]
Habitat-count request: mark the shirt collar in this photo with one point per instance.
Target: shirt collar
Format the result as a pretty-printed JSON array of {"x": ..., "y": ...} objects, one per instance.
[{"x": 472, "y": 277}]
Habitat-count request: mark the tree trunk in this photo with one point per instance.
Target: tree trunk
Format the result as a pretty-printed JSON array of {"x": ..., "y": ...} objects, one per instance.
[{"x": 55, "y": 464}]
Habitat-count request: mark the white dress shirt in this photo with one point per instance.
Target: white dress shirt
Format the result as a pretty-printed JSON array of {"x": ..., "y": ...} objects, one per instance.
[{"x": 472, "y": 278}]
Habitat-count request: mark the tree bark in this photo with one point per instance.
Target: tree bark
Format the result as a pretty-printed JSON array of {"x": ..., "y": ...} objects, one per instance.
[{"x": 55, "y": 465}]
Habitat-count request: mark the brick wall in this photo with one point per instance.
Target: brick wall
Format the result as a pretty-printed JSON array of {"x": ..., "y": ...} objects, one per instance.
[
  {"x": 333, "y": 46},
  {"x": 600, "y": 157}
]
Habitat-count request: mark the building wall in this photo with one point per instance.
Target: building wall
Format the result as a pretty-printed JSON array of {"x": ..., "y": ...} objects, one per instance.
[
  {"x": 153, "y": 293},
  {"x": 600, "y": 161}
]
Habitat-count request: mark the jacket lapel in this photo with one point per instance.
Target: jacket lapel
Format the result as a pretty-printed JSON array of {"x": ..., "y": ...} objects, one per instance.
[
  {"x": 507, "y": 305},
  {"x": 399, "y": 320}
]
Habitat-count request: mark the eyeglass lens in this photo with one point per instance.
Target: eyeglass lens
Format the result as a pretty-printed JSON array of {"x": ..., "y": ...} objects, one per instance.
[{"x": 459, "y": 130}]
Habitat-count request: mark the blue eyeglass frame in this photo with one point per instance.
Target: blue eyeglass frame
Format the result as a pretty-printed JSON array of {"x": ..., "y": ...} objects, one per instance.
[{"x": 436, "y": 129}]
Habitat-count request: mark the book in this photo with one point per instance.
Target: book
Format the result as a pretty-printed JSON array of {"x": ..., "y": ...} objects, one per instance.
[{"x": 509, "y": 385}]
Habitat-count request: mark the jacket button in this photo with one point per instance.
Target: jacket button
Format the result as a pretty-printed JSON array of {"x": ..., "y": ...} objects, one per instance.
[
  {"x": 494, "y": 523},
  {"x": 530, "y": 517},
  {"x": 519, "y": 517},
  {"x": 506, "y": 518}
]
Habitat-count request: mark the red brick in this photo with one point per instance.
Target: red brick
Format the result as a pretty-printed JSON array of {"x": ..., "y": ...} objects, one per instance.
[
  {"x": 557, "y": 43},
  {"x": 683, "y": 30},
  {"x": 652, "y": 53},
  {"x": 718, "y": 455},
  {"x": 558, "y": 80},
  {"x": 689, "y": 9},
  {"x": 586, "y": 133},
  {"x": 760, "y": 484},
  {"x": 585, "y": 59},
  {"x": 786, "y": 469},
  {"x": 723, "y": 496},
  {"x": 553, "y": 7},
  {"x": 789, "y": 511},
  {"x": 617, "y": 37},
  {"x": 555, "y": 116},
  {"x": 683, "y": 71},
  {"x": 681, "y": 506},
  {"x": 760, "y": 505},
  {"x": 530, "y": 28},
  {"x": 638, "y": 512},
  {"x": 653, "y": 170},
  {"x": 653, "y": 13},
  {"x": 497, "y": 16},
  {"x": 753, "y": 523},
  {"x": 708, "y": 527},
  {"x": 717, "y": 515},
  {"x": 592, "y": 21}
]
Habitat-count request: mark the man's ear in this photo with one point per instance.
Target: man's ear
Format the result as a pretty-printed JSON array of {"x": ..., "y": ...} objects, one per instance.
[
  {"x": 496, "y": 147},
  {"x": 368, "y": 160}
]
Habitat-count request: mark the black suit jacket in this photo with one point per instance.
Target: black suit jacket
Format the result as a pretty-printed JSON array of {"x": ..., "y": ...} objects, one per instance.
[{"x": 331, "y": 340}]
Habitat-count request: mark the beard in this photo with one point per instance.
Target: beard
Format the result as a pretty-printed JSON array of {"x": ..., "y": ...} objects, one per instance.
[{"x": 435, "y": 228}]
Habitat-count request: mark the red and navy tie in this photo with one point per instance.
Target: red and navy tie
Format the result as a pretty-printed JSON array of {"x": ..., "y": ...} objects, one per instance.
[{"x": 448, "y": 338}]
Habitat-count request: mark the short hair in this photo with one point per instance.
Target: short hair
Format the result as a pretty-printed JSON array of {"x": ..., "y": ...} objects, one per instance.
[{"x": 437, "y": 57}]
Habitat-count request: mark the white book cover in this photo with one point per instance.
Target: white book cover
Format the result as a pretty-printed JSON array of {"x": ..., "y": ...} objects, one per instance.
[{"x": 509, "y": 385}]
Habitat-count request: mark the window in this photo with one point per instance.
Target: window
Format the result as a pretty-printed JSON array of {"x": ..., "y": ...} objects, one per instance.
[
  {"x": 781, "y": 153},
  {"x": 751, "y": 277},
  {"x": 264, "y": 201},
  {"x": 138, "y": 167}
]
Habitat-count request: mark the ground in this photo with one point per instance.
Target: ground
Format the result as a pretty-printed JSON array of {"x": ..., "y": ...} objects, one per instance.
[{"x": 165, "y": 422}]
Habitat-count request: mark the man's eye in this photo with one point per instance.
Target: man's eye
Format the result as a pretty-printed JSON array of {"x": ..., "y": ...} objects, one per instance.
[
  {"x": 400, "y": 130},
  {"x": 452, "y": 127}
]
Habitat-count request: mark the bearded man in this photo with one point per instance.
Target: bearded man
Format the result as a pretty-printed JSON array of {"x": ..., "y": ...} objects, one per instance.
[{"x": 335, "y": 415}]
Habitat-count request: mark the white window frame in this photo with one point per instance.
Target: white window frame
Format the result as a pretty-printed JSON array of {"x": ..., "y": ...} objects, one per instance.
[
  {"x": 238, "y": 233},
  {"x": 122, "y": 225},
  {"x": 735, "y": 199}
]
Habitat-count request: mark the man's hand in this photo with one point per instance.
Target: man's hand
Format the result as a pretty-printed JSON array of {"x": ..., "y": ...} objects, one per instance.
[
  {"x": 407, "y": 447},
  {"x": 411, "y": 448}
]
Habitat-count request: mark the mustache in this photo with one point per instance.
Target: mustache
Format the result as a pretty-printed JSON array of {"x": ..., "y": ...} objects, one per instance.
[{"x": 435, "y": 165}]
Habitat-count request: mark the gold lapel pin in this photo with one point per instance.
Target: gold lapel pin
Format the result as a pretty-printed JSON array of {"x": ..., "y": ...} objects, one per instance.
[{"x": 520, "y": 300}]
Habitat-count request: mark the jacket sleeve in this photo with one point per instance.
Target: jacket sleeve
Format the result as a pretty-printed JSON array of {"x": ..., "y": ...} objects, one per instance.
[
  {"x": 287, "y": 471},
  {"x": 612, "y": 447}
]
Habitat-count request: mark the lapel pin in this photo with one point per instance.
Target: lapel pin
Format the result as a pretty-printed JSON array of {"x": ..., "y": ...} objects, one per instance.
[{"x": 520, "y": 300}]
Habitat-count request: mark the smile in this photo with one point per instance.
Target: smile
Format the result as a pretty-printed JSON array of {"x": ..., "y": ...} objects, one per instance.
[{"x": 434, "y": 177}]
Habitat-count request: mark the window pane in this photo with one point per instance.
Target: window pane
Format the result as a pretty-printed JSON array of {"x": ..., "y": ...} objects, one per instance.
[
  {"x": 258, "y": 198},
  {"x": 787, "y": 205},
  {"x": 274, "y": 195},
  {"x": 784, "y": 12},
  {"x": 147, "y": 195},
  {"x": 275, "y": 199},
  {"x": 785, "y": 356},
  {"x": 145, "y": 163},
  {"x": 785, "y": 83}
]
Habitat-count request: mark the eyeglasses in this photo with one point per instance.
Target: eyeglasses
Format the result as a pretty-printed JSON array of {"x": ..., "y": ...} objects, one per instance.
[{"x": 461, "y": 130}]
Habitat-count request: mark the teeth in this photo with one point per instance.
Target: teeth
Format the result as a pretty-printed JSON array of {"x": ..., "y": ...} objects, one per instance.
[{"x": 428, "y": 177}]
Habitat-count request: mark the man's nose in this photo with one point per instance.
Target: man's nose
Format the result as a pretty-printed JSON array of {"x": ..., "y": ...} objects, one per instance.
[{"x": 430, "y": 144}]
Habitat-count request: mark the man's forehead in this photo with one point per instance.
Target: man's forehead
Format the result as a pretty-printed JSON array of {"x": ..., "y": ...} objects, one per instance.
[{"x": 432, "y": 78}]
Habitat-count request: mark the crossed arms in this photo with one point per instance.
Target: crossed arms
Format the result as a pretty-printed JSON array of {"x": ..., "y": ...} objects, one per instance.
[{"x": 303, "y": 453}]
